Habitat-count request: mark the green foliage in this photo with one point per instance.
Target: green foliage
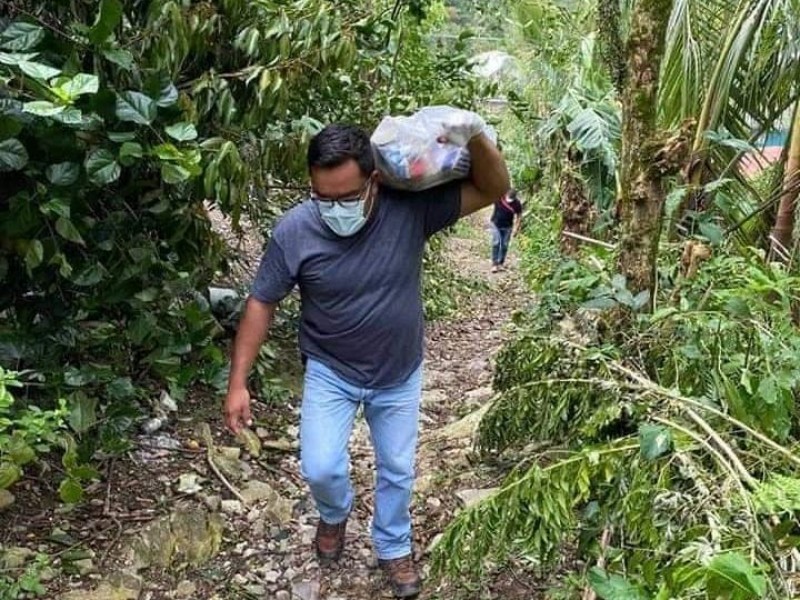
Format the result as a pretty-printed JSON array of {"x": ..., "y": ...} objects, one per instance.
[
  {"x": 31, "y": 432},
  {"x": 610, "y": 586},
  {"x": 670, "y": 420},
  {"x": 551, "y": 391},
  {"x": 583, "y": 129},
  {"x": 25, "y": 433},
  {"x": 119, "y": 122},
  {"x": 29, "y": 583},
  {"x": 601, "y": 447},
  {"x": 76, "y": 472},
  {"x": 731, "y": 337},
  {"x": 423, "y": 71},
  {"x": 673, "y": 439},
  {"x": 731, "y": 576}
]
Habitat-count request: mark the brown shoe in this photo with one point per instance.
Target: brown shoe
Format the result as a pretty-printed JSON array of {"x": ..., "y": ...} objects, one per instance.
[
  {"x": 329, "y": 540},
  {"x": 403, "y": 576}
]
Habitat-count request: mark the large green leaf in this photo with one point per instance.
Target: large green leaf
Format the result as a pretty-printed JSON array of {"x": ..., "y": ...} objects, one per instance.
[
  {"x": 65, "y": 173},
  {"x": 91, "y": 275},
  {"x": 38, "y": 70},
  {"x": 34, "y": 255},
  {"x": 19, "y": 451},
  {"x": 13, "y": 155},
  {"x": 84, "y": 472},
  {"x": 82, "y": 83},
  {"x": 42, "y": 108},
  {"x": 70, "y": 491},
  {"x": 108, "y": 18},
  {"x": 102, "y": 167},
  {"x": 83, "y": 414},
  {"x": 15, "y": 58},
  {"x": 183, "y": 132},
  {"x": 169, "y": 152},
  {"x": 64, "y": 268},
  {"x": 9, "y": 474},
  {"x": 136, "y": 108},
  {"x": 654, "y": 440},
  {"x": 119, "y": 56},
  {"x": 168, "y": 95},
  {"x": 732, "y": 577},
  {"x": 57, "y": 206},
  {"x": 70, "y": 457},
  {"x": 589, "y": 130},
  {"x": 130, "y": 152},
  {"x": 613, "y": 587},
  {"x": 21, "y": 36},
  {"x": 73, "y": 116},
  {"x": 147, "y": 295},
  {"x": 66, "y": 229},
  {"x": 121, "y": 136},
  {"x": 172, "y": 173}
]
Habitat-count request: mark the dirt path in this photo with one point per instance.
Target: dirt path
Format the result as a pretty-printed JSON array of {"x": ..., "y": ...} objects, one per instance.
[{"x": 166, "y": 506}]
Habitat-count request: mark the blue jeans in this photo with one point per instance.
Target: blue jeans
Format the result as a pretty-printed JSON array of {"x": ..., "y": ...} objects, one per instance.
[
  {"x": 501, "y": 237},
  {"x": 326, "y": 422}
]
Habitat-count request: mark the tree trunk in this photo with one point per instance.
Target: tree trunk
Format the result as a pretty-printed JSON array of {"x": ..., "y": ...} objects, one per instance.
[
  {"x": 577, "y": 210},
  {"x": 782, "y": 232},
  {"x": 609, "y": 37},
  {"x": 640, "y": 207}
]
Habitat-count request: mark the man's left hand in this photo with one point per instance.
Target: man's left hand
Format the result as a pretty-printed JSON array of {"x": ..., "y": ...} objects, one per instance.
[{"x": 461, "y": 126}]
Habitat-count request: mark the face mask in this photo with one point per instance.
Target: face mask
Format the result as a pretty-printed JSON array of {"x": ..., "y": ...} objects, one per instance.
[{"x": 343, "y": 219}]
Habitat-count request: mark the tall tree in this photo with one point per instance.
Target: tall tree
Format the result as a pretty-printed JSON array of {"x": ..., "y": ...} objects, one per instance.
[
  {"x": 782, "y": 234},
  {"x": 641, "y": 203}
]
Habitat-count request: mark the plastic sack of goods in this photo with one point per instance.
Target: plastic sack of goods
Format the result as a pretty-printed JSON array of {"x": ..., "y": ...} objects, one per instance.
[{"x": 409, "y": 155}]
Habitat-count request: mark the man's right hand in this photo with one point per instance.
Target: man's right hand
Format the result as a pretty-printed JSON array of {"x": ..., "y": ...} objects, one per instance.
[
  {"x": 252, "y": 330},
  {"x": 237, "y": 409}
]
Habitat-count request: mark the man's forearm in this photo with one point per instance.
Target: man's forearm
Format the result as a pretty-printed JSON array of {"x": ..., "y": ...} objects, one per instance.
[
  {"x": 253, "y": 328},
  {"x": 489, "y": 173}
]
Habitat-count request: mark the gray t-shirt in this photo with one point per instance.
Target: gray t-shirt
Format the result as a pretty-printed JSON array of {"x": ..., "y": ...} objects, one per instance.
[{"x": 361, "y": 296}]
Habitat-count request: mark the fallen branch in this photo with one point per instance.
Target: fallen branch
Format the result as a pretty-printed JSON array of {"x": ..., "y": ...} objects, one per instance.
[
  {"x": 107, "y": 503},
  {"x": 222, "y": 478},
  {"x": 589, "y": 240},
  {"x": 651, "y": 386}
]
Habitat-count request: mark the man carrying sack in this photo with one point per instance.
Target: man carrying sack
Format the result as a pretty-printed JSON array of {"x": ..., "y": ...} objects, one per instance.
[{"x": 354, "y": 249}]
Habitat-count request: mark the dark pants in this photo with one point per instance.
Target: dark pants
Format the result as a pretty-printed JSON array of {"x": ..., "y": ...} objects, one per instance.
[{"x": 501, "y": 236}]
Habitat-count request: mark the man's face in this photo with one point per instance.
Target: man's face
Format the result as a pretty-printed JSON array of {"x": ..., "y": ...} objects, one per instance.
[{"x": 343, "y": 183}]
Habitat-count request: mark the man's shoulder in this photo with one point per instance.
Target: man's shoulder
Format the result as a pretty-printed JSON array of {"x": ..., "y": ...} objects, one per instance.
[{"x": 299, "y": 218}]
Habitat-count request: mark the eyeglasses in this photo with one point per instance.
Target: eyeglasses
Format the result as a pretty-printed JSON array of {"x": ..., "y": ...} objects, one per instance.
[{"x": 346, "y": 202}]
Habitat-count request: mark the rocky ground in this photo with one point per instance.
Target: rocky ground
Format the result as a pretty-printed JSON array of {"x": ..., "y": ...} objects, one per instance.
[{"x": 192, "y": 512}]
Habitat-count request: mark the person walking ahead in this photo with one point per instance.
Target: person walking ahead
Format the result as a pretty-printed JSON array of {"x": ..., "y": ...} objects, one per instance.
[
  {"x": 506, "y": 220},
  {"x": 355, "y": 251}
]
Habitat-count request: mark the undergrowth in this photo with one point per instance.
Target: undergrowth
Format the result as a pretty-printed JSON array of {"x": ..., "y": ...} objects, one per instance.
[{"x": 666, "y": 453}]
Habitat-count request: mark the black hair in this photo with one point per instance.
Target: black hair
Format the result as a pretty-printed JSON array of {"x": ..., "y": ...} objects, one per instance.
[{"x": 338, "y": 143}]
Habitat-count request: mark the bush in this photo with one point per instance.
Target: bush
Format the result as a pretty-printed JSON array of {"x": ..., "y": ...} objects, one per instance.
[
  {"x": 676, "y": 439},
  {"x": 119, "y": 121}
]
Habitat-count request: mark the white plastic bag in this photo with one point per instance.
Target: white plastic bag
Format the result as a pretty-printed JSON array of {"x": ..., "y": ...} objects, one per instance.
[{"x": 409, "y": 156}]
